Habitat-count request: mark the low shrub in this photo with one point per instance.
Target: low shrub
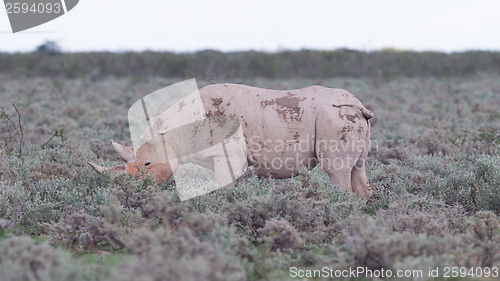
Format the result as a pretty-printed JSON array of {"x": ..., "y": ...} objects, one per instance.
[
  {"x": 279, "y": 235},
  {"x": 471, "y": 181},
  {"x": 179, "y": 255},
  {"x": 22, "y": 259},
  {"x": 435, "y": 203},
  {"x": 408, "y": 236},
  {"x": 80, "y": 231}
]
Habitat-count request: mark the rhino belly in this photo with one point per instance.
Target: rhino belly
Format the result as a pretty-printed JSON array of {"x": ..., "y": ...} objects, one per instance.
[
  {"x": 281, "y": 159},
  {"x": 285, "y": 166}
]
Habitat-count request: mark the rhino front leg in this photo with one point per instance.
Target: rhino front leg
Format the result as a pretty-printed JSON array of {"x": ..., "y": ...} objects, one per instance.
[
  {"x": 340, "y": 178},
  {"x": 223, "y": 172}
]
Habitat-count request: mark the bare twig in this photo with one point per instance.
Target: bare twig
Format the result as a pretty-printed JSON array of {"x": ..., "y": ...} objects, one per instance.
[
  {"x": 21, "y": 128},
  {"x": 8, "y": 122},
  {"x": 58, "y": 133}
]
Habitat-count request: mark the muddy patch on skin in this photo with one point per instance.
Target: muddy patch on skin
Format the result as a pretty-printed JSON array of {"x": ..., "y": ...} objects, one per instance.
[
  {"x": 287, "y": 107},
  {"x": 216, "y": 102},
  {"x": 345, "y": 130},
  {"x": 343, "y": 139},
  {"x": 181, "y": 105},
  {"x": 350, "y": 117}
]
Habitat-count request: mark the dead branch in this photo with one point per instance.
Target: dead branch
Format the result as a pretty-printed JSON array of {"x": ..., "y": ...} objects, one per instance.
[{"x": 21, "y": 128}]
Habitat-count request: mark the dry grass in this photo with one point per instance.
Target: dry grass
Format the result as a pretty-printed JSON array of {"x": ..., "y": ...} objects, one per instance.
[{"x": 434, "y": 167}]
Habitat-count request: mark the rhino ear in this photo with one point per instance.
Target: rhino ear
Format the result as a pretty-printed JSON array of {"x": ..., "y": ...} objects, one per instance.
[{"x": 126, "y": 152}]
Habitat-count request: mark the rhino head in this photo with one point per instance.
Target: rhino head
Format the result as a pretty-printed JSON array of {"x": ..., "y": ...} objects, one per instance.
[{"x": 151, "y": 159}]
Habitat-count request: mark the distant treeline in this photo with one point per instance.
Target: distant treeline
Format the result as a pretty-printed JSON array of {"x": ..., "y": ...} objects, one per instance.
[{"x": 209, "y": 64}]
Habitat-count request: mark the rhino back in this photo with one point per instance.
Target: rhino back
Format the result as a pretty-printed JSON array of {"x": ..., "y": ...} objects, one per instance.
[{"x": 277, "y": 124}]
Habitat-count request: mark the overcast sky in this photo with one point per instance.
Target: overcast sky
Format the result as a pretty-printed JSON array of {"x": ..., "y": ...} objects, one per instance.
[{"x": 271, "y": 25}]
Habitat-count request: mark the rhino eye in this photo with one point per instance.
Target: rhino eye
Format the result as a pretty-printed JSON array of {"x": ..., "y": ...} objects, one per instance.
[{"x": 147, "y": 164}]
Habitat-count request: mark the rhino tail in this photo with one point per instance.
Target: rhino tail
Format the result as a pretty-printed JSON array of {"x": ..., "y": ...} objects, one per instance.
[{"x": 368, "y": 114}]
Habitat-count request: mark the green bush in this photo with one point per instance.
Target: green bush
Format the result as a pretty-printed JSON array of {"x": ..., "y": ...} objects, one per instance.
[{"x": 209, "y": 64}]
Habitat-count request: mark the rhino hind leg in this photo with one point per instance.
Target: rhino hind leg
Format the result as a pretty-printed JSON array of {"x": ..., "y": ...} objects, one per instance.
[
  {"x": 359, "y": 181},
  {"x": 340, "y": 145},
  {"x": 337, "y": 164}
]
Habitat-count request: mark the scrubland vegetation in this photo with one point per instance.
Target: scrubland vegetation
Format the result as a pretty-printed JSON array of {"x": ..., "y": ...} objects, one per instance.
[{"x": 434, "y": 168}]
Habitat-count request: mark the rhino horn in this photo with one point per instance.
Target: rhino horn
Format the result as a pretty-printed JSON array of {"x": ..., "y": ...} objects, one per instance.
[
  {"x": 126, "y": 152},
  {"x": 114, "y": 171},
  {"x": 97, "y": 168}
]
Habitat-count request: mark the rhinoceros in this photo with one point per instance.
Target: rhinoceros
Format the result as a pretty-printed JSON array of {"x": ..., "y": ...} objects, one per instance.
[{"x": 284, "y": 130}]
